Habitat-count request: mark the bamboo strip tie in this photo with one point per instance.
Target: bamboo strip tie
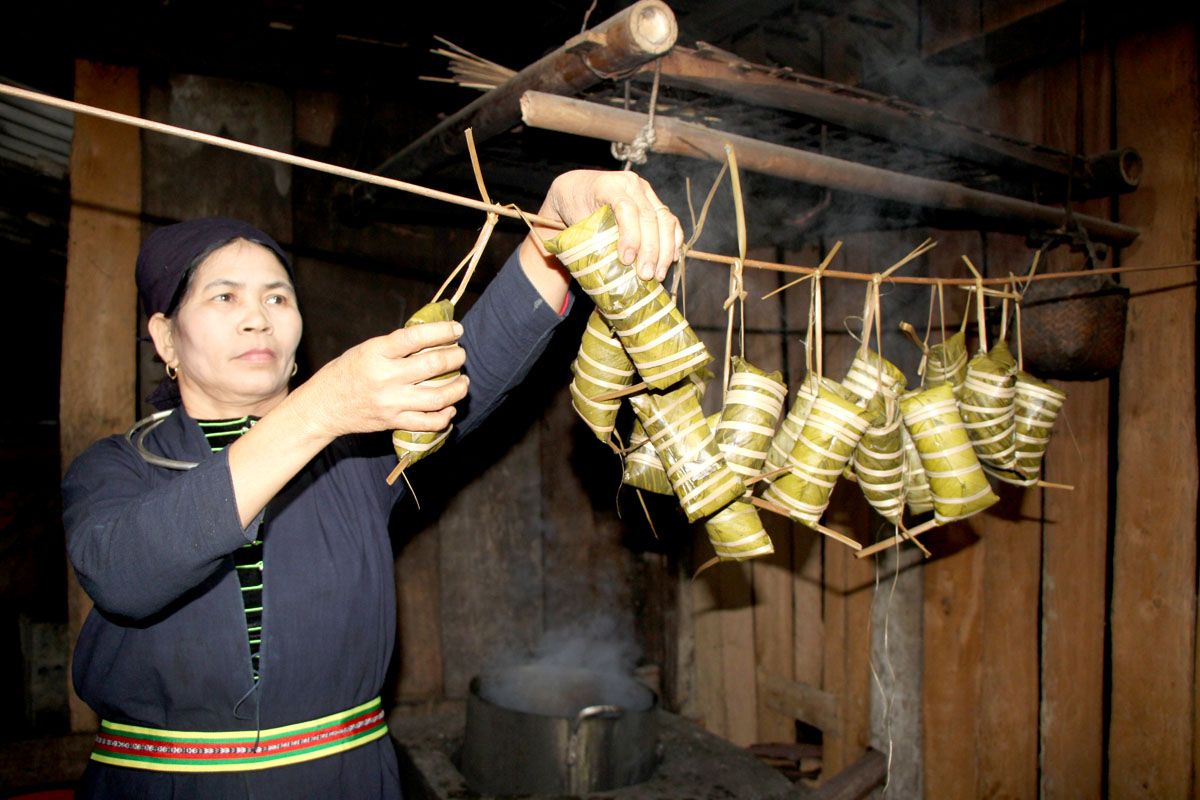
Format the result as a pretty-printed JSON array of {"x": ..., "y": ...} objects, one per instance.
[{"x": 830, "y": 532}]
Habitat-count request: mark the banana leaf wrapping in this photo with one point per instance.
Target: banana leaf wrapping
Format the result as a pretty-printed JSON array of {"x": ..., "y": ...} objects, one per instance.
[
  {"x": 956, "y": 480},
  {"x": 789, "y": 430},
  {"x": 833, "y": 429},
  {"x": 736, "y": 532},
  {"x": 879, "y": 460},
  {"x": 1038, "y": 404},
  {"x": 659, "y": 341},
  {"x": 600, "y": 367},
  {"x": 687, "y": 446},
  {"x": 948, "y": 362},
  {"x": 752, "y": 408},
  {"x": 1000, "y": 352},
  {"x": 869, "y": 371},
  {"x": 643, "y": 468},
  {"x": 416, "y": 445},
  {"x": 986, "y": 406},
  {"x": 918, "y": 498}
]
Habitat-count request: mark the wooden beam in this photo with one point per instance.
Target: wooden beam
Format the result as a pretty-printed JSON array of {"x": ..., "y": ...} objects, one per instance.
[
  {"x": 1153, "y": 620},
  {"x": 99, "y": 356},
  {"x": 801, "y": 701},
  {"x": 582, "y": 118},
  {"x": 883, "y": 117},
  {"x": 626, "y": 40},
  {"x": 855, "y": 781}
]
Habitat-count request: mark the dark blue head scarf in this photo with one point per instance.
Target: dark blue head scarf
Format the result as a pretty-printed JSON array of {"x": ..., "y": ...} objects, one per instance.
[{"x": 168, "y": 257}]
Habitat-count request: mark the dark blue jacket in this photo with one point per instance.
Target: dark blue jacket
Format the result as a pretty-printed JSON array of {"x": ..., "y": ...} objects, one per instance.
[{"x": 166, "y": 644}]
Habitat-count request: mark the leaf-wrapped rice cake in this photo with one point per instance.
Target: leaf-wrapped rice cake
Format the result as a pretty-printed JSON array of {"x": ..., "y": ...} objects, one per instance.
[
  {"x": 948, "y": 362},
  {"x": 600, "y": 367},
  {"x": 879, "y": 460},
  {"x": 956, "y": 480},
  {"x": 748, "y": 419},
  {"x": 986, "y": 406},
  {"x": 833, "y": 429},
  {"x": 418, "y": 444},
  {"x": 736, "y": 532},
  {"x": 793, "y": 423},
  {"x": 917, "y": 497},
  {"x": 1038, "y": 405},
  {"x": 659, "y": 341},
  {"x": 643, "y": 468},
  {"x": 687, "y": 446},
  {"x": 868, "y": 372}
]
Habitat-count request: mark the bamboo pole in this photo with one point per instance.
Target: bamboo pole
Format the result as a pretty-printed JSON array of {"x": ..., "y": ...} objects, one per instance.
[
  {"x": 625, "y": 41},
  {"x": 511, "y": 211},
  {"x": 582, "y": 118}
]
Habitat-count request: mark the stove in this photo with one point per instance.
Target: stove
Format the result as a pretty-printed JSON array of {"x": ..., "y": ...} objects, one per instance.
[{"x": 694, "y": 765}]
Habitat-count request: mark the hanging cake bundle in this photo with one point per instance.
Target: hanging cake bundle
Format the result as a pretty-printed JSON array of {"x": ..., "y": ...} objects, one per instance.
[
  {"x": 657, "y": 338},
  {"x": 957, "y": 483},
  {"x": 833, "y": 429},
  {"x": 947, "y": 362},
  {"x": 793, "y": 423},
  {"x": 415, "y": 445},
  {"x": 918, "y": 496},
  {"x": 879, "y": 461},
  {"x": 600, "y": 367},
  {"x": 736, "y": 532},
  {"x": 870, "y": 372},
  {"x": 1038, "y": 404},
  {"x": 986, "y": 405},
  {"x": 748, "y": 419},
  {"x": 687, "y": 446},
  {"x": 643, "y": 468}
]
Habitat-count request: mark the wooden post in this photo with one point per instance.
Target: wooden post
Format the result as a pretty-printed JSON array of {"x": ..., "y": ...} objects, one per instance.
[
  {"x": 1075, "y": 524},
  {"x": 952, "y": 673},
  {"x": 1153, "y": 619},
  {"x": 100, "y": 310}
]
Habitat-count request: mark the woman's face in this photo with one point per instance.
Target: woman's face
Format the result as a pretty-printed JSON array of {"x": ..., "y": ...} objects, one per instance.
[{"x": 234, "y": 335}]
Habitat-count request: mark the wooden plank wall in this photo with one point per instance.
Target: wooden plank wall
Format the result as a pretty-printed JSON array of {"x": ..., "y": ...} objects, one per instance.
[
  {"x": 1017, "y": 700},
  {"x": 1151, "y": 736},
  {"x": 1016, "y": 607}
]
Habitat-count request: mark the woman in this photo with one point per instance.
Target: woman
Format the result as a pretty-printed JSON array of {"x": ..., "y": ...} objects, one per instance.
[{"x": 244, "y": 608}]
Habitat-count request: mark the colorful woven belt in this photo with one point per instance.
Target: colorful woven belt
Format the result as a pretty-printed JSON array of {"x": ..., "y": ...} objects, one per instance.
[{"x": 206, "y": 751}]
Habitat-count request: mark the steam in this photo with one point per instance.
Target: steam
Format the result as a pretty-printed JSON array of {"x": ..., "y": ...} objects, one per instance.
[{"x": 586, "y": 664}]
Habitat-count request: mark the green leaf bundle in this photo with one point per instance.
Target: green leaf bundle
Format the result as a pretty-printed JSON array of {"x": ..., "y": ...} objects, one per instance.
[{"x": 659, "y": 341}]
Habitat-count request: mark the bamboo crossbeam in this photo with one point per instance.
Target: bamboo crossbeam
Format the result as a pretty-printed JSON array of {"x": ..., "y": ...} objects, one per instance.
[
  {"x": 512, "y": 212},
  {"x": 583, "y": 118},
  {"x": 625, "y": 41}
]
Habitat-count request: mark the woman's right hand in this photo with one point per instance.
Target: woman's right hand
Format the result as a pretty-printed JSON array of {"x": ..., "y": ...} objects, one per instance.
[{"x": 375, "y": 385}]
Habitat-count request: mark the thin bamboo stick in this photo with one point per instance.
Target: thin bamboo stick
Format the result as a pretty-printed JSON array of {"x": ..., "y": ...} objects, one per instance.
[
  {"x": 894, "y": 540},
  {"x": 830, "y": 532},
  {"x": 511, "y": 212}
]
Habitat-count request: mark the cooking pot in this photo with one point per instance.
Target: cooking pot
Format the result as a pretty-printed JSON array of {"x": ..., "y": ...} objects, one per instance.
[{"x": 538, "y": 729}]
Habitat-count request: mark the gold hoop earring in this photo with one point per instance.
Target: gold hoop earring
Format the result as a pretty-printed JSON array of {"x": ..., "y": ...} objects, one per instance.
[
  {"x": 172, "y": 372},
  {"x": 295, "y": 368}
]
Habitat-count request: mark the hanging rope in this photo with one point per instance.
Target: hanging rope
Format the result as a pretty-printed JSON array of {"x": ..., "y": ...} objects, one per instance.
[{"x": 635, "y": 153}]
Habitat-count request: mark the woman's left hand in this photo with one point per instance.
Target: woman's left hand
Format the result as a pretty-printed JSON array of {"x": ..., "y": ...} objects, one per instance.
[{"x": 650, "y": 236}]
